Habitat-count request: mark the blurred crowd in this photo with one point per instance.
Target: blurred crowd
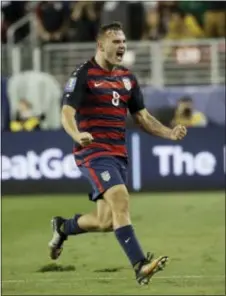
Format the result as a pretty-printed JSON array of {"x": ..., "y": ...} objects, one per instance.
[
  {"x": 28, "y": 106},
  {"x": 78, "y": 21}
]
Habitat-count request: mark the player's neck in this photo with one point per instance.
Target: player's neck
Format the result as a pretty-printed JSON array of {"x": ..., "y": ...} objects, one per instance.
[{"x": 103, "y": 63}]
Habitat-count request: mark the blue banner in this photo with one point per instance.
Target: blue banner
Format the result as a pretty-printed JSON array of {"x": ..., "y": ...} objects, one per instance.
[{"x": 41, "y": 162}]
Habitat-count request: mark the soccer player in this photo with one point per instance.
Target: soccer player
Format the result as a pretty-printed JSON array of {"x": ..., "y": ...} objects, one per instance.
[{"x": 96, "y": 100}]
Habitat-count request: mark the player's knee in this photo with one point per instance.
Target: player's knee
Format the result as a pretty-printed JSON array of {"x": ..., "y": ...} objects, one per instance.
[
  {"x": 105, "y": 223},
  {"x": 120, "y": 200},
  {"x": 105, "y": 226},
  {"x": 122, "y": 206}
]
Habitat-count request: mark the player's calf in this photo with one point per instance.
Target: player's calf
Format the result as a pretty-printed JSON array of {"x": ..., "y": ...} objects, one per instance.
[
  {"x": 118, "y": 199},
  {"x": 62, "y": 228}
]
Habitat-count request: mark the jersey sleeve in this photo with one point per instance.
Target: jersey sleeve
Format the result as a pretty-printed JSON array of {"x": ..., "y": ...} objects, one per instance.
[
  {"x": 75, "y": 89},
  {"x": 136, "y": 101}
]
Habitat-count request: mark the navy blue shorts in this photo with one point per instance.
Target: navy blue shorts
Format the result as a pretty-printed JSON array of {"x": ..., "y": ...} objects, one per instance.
[{"x": 104, "y": 173}]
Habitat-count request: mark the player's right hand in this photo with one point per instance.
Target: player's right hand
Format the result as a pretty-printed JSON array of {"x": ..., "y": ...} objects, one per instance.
[{"x": 84, "y": 139}]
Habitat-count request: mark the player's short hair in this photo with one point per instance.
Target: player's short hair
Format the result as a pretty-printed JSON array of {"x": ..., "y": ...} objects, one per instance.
[{"x": 115, "y": 26}]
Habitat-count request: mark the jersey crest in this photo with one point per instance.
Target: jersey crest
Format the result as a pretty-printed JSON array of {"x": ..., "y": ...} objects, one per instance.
[
  {"x": 105, "y": 176},
  {"x": 127, "y": 83}
]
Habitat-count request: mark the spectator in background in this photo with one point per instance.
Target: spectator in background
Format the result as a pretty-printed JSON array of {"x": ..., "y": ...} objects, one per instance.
[
  {"x": 116, "y": 11},
  {"x": 84, "y": 21},
  {"x": 165, "y": 9},
  {"x": 196, "y": 9},
  {"x": 152, "y": 22},
  {"x": 43, "y": 93},
  {"x": 11, "y": 12},
  {"x": 5, "y": 106},
  {"x": 25, "y": 119},
  {"x": 182, "y": 26},
  {"x": 136, "y": 20},
  {"x": 131, "y": 14},
  {"x": 165, "y": 115},
  {"x": 52, "y": 20},
  {"x": 214, "y": 20},
  {"x": 187, "y": 116}
]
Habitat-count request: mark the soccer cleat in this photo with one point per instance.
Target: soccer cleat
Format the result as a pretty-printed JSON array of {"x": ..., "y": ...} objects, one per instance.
[
  {"x": 151, "y": 266},
  {"x": 56, "y": 244}
]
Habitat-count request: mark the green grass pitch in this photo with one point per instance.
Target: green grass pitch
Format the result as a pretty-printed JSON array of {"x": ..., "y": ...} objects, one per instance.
[{"x": 188, "y": 227}]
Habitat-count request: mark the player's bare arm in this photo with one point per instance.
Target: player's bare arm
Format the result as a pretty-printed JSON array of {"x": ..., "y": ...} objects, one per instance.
[
  {"x": 152, "y": 126},
  {"x": 69, "y": 123}
]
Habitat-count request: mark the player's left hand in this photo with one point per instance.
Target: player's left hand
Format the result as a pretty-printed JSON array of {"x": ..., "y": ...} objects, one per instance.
[{"x": 178, "y": 132}]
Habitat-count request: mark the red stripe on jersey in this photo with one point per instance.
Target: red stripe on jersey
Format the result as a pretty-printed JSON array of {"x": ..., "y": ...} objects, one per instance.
[
  {"x": 109, "y": 97},
  {"x": 102, "y": 72},
  {"x": 121, "y": 149},
  {"x": 118, "y": 148},
  {"x": 108, "y": 135},
  {"x": 95, "y": 178},
  {"x": 106, "y": 84},
  {"x": 101, "y": 122},
  {"x": 103, "y": 110},
  {"x": 96, "y": 155}
]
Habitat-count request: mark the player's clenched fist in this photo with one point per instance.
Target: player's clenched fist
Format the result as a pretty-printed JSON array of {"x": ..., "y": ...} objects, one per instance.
[
  {"x": 178, "y": 132},
  {"x": 84, "y": 139}
]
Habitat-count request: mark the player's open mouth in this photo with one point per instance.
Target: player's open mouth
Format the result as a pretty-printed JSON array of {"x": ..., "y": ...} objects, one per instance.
[{"x": 119, "y": 55}]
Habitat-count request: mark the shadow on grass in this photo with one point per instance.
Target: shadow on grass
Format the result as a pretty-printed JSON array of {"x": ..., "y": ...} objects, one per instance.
[
  {"x": 114, "y": 269},
  {"x": 53, "y": 267}
]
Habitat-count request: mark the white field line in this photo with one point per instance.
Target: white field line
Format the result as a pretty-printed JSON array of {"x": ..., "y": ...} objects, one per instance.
[{"x": 173, "y": 277}]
